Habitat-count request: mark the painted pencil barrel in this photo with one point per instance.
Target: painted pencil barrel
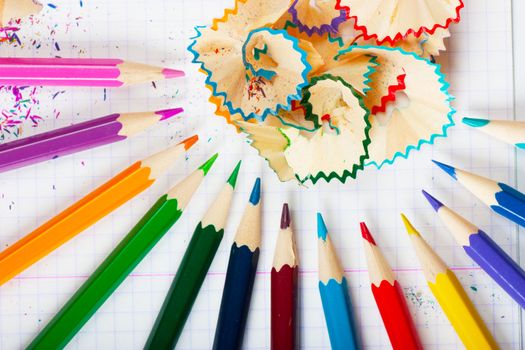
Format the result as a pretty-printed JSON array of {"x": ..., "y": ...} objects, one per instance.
[
  {"x": 505, "y": 271},
  {"x": 462, "y": 315},
  {"x": 109, "y": 275},
  {"x": 338, "y": 315},
  {"x": 59, "y": 72},
  {"x": 58, "y": 143},
  {"x": 236, "y": 297},
  {"x": 61, "y": 82},
  {"x": 40, "y": 61},
  {"x": 185, "y": 288},
  {"x": 398, "y": 322},
  {"x": 283, "y": 306},
  {"x": 39, "y": 243},
  {"x": 511, "y": 204}
]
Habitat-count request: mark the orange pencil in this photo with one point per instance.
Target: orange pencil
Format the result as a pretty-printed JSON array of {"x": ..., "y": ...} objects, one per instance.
[{"x": 88, "y": 211}]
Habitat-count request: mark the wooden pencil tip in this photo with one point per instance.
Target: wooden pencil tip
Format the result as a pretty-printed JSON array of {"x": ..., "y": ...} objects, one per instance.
[
  {"x": 366, "y": 233},
  {"x": 285, "y": 217},
  {"x": 446, "y": 168},
  {"x": 168, "y": 113},
  {"x": 433, "y": 201},
  {"x": 322, "y": 231},
  {"x": 474, "y": 122},
  {"x": 190, "y": 141},
  {"x": 255, "y": 196},
  {"x": 208, "y": 164},
  {"x": 408, "y": 225},
  {"x": 172, "y": 73},
  {"x": 232, "y": 180}
]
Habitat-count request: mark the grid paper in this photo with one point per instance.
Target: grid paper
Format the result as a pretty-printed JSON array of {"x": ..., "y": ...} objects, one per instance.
[{"x": 484, "y": 80}]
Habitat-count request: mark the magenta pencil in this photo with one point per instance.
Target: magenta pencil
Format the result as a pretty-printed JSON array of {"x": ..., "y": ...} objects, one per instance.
[
  {"x": 79, "y": 72},
  {"x": 78, "y": 137}
]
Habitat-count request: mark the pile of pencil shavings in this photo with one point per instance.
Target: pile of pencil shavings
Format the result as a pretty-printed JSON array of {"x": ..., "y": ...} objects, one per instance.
[{"x": 324, "y": 88}]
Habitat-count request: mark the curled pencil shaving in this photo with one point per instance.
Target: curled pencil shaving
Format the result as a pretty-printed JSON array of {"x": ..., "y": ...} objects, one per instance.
[
  {"x": 317, "y": 16},
  {"x": 404, "y": 17},
  {"x": 335, "y": 151}
]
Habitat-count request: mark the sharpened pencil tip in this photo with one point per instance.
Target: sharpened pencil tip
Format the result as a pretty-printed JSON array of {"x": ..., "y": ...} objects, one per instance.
[
  {"x": 232, "y": 180},
  {"x": 474, "y": 122},
  {"x": 408, "y": 225},
  {"x": 446, "y": 168},
  {"x": 168, "y": 113},
  {"x": 365, "y": 232},
  {"x": 433, "y": 201},
  {"x": 285, "y": 217},
  {"x": 255, "y": 196},
  {"x": 322, "y": 231},
  {"x": 208, "y": 164},
  {"x": 190, "y": 141},
  {"x": 172, "y": 73}
]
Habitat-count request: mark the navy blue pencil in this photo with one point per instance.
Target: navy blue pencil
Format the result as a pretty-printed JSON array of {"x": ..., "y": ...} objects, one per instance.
[{"x": 240, "y": 277}]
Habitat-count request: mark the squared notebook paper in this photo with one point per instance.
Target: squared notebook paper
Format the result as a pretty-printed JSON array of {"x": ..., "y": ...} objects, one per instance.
[{"x": 482, "y": 63}]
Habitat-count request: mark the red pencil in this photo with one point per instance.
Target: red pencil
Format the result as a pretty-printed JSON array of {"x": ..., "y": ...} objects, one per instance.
[
  {"x": 389, "y": 297},
  {"x": 284, "y": 287}
]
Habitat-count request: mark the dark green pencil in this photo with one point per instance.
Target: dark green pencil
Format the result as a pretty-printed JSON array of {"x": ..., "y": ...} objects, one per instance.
[
  {"x": 119, "y": 264},
  {"x": 192, "y": 271}
]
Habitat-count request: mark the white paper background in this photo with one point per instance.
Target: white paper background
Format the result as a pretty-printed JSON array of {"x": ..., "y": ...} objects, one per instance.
[{"x": 483, "y": 78}]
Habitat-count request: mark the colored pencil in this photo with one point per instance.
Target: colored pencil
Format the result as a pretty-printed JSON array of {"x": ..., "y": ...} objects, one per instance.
[
  {"x": 501, "y": 198},
  {"x": 451, "y": 296},
  {"x": 78, "y": 137},
  {"x": 87, "y": 211},
  {"x": 95, "y": 72},
  {"x": 240, "y": 276},
  {"x": 333, "y": 288},
  {"x": 484, "y": 251},
  {"x": 389, "y": 297},
  {"x": 120, "y": 263},
  {"x": 15, "y": 9},
  {"x": 284, "y": 287},
  {"x": 192, "y": 271},
  {"x": 509, "y": 131}
]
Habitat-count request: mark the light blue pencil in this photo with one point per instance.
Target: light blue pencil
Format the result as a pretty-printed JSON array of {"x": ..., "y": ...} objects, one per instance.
[
  {"x": 500, "y": 197},
  {"x": 334, "y": 294},
  {"x": 509, "y": 131}
]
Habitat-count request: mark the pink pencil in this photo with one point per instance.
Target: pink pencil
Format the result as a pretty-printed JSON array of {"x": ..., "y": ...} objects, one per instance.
[{"x": 79, "y": 72}]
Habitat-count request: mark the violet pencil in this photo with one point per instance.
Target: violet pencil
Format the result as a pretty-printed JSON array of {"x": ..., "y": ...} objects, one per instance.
[
  {"x": 78, "y": 137},
  {"x": 484, "y": 251}
]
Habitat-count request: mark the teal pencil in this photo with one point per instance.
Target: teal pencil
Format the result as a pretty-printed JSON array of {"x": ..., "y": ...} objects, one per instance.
[
  {"x": 333, "y": 288},
  {"x": 509, "y": 131}
]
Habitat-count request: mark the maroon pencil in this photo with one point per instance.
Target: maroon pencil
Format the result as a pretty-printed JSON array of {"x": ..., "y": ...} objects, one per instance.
[{"x": 284, "y": 287}]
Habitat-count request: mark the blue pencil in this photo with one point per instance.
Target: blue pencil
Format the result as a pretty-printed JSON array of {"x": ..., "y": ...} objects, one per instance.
[
  {"x": 334, "y": 293},
  {"x": 484, "y": 251},
  {"x": 509, "y": 131},
  {"x": 240, "y": 276},
  {"x": 501, "y": 198}
]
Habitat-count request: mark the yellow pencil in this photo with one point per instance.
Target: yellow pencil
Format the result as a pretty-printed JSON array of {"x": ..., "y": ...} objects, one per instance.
[{"x": 451, "y": 296}]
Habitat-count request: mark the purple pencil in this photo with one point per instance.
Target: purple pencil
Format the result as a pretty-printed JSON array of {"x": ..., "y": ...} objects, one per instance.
[
  {"x": 484, "y": 251},
  {"x": 78, "y": 137}
]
